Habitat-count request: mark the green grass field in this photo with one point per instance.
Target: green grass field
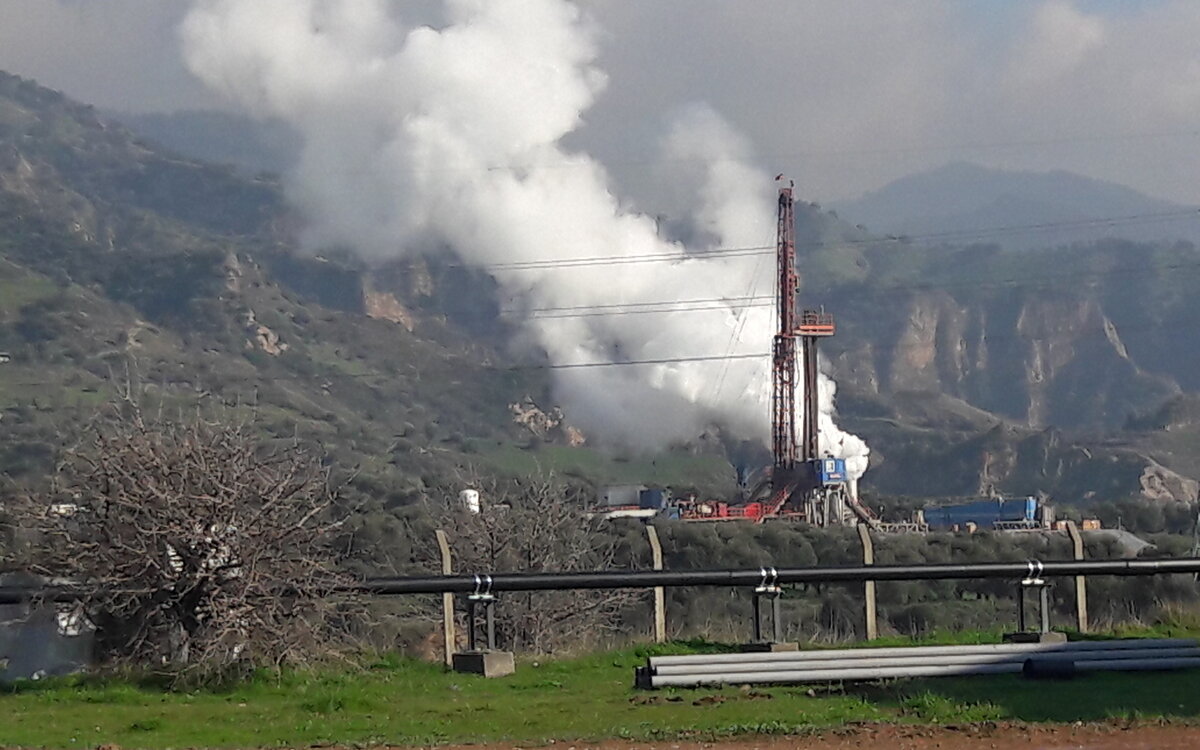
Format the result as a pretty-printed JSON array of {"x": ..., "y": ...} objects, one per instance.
[{"x": 403, "y": 702}]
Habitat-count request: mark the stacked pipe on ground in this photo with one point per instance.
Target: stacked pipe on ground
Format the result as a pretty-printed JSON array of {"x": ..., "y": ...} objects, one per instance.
[{"x": 836, "y": 665}]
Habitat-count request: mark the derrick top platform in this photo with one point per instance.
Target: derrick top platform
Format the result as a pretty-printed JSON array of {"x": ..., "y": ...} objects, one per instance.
[{"x": 814, "y": 323}]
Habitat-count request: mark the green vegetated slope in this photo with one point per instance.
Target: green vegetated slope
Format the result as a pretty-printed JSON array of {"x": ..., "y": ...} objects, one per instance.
[
  {"x": 988, "y": 370},
  {"x": 119, "y": 261},
  {"x": 407, "y": 703}
]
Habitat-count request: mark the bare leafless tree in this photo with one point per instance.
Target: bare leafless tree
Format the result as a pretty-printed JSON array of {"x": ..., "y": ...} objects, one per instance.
[
  {"x": 199, "y": 547},
  {"x": 539, "y": 524}
]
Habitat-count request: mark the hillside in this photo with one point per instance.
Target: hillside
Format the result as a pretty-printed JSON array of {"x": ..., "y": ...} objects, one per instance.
[
  {"x": 217, "y": 137},
  {"x": 964, "y": 198},
  {"x": 120, "y": 260}
]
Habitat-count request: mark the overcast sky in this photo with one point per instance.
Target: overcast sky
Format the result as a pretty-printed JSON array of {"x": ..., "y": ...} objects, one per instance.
[{"x": 844, "y": 95}]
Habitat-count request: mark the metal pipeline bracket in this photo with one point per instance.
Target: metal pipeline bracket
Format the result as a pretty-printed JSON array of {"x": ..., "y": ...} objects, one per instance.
[
  {"x": 769, "y": 588},
  {"x": 1035, "y": 581},
  {"x": 1035, "y": 574},
  {"x": 769, "y": 585},
  {"x": 482, "y": 595},
  {"x": 483, "y": 589}
]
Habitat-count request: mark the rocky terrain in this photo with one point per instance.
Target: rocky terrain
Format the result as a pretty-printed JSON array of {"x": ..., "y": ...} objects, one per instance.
[
  {"x": 1045, "y": 365},
  {"x": 1068, "y": 371}
]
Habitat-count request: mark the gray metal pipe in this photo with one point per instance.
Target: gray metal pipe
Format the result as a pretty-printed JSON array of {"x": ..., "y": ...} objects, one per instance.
[
  {"x": 840, "y": 675},
  {"x": 873, "y": 653},
  {"x": 917, "y": 661},
  {"x": 831, "y": 675}
]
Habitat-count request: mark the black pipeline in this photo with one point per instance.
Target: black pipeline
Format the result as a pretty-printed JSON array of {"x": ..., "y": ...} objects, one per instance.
[{"x": 646, "y": 579}]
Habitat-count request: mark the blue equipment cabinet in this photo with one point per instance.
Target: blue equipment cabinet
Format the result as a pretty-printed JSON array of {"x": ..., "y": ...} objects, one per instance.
[
  {"x": 830, "y": 471},
  {"x": 652, "y": 499}
]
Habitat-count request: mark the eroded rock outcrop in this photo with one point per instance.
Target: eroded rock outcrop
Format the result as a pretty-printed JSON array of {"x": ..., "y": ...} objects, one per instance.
[
  {"x": 545, "y": 425},
  {"x": 1160, "y": 484},
  {"x": 1038, "y": 360},
  {"x": 263, "y": 337},
  {"x": 385, "y": 306}
]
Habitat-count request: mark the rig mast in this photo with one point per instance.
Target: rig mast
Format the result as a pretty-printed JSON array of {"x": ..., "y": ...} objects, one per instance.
[
  {"x": 800, "y": 476},
  {"x": 783, "y": 373}
]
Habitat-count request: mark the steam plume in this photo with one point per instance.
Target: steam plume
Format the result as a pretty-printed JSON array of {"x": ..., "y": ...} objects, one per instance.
[{"x": 423, "y": 138}]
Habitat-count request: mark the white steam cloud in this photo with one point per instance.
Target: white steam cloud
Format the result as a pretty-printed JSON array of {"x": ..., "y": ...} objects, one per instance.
[{"x": 418, "y": 139}]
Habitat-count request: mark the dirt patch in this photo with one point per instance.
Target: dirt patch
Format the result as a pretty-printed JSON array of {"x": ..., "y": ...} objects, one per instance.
[{"x": 997, "y": 736}]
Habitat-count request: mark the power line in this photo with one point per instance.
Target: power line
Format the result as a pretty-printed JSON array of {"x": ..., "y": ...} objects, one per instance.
[
  {"x": 620, "y": 305},
  {"x": 1170, "y": 324},
  {"x": 735, "y": 335},
  {"x": 721, "y": 305},
  {"x": 493, "y": 368},
  {"x": 1145, "y": 218},
  {"x": 1034, "y": 281},
  {"x": 606, "y": 260},
  {"x": 756, "y": 250},
  {"x": 635, "y": 362},
  {"x": 768, "y": 301},
  {"x": 705, "y": 304}
]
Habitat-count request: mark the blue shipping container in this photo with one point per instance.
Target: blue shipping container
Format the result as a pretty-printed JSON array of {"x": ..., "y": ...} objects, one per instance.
[{"x": 981, "y": 512}]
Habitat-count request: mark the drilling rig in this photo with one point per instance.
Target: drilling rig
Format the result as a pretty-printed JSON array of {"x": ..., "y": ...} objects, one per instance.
[{"x": 804, "y": 483}]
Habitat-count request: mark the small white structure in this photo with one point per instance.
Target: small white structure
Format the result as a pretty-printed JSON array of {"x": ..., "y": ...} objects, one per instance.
[
  {"x": 621, "y": 495},
  {"x": 469, "y": 499}
]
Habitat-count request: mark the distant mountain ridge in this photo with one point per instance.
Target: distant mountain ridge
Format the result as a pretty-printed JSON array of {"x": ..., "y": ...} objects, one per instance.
[
  {"x": 964, "y": 197},
  {"x": 964, "y": 377}
]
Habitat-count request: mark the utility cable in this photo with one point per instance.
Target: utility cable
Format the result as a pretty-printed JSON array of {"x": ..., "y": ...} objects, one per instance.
[
  {"x": 682, "y": 255},
  {"x": 736, "y": 334},
  {"x": 704, "y": 304},
  {"x": 1182, "y": 324}
]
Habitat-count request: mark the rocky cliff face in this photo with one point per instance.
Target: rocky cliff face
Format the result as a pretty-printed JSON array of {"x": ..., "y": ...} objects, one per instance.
[
  {"x": 1034, "y": 369},
  {"x": 1037, "y": 360}
]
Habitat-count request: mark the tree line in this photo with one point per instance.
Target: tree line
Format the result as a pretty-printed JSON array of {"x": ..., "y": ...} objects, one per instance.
[{"x": 203, "y": 549}]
